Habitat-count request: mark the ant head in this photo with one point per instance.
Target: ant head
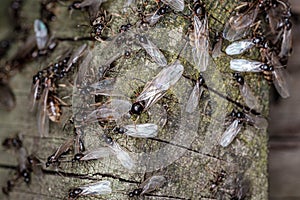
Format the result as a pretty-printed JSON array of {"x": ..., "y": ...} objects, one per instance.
[
  {"x": 73, "y": 193},
  {"x": 137, "y": 108},
  {"x": 201, "y": 80},
  {"x": 199, "y": 9},
  {"x": 239, "y": 78}
]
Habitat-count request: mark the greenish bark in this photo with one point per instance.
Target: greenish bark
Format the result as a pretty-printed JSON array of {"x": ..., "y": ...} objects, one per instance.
[{"x": 188, "y": 177}]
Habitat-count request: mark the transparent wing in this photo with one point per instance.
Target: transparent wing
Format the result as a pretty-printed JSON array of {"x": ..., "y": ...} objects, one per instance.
[
  {"x": 194, "y": 98},
  {"x": 103, "y": 113},
  {"x": 200, "y": 50},
  {"x": 280, "y": 75},
  {"x": 244, "y": 20},
  {"x": 217, "y": 51},
  {"x": 78, "y": 141},
  {"x": 273, "y": 20},
  {"x": 248, "y": 95},
  {"x": 75, "y": 56},
  {"x": 242, "y": 65},
  {"x": 34, "y": 95},
  {"x": 83, "y": 68},
  {"x": 177, "y": 5},
  {"x": 42, "y": 115},
  {"x": 230, "y": 133},
  {"x": 104, "y": 87},
  {"x": 152, "y": 184},
  {"x": 162, "y": 82},
  {"x": 286, "y": 45},
  {"x": 120, "y": 106},
  {"x": 258, "y": 122},
  {"x": 63, "y": 148},
  {"x": 153, "y": 19},
  {"x": 280, "y": 82},
  {"x": 122, "y": 156},
  {"x": 154, "y": 52},
  {"x": 155, "y": 89},
  {"x": 261, "y": 123},
  {"x": 35, "y": 165},
  {"x": 41, "y": 33},
  {"x": 201, "y": 58},
  {"x": 141, "y": 130},
  {"x": 93, "y": 7},
  {"x": 239, "y": 47},
  {"x": 96, "y": 154},
  {"x": 232, "y": 34},
  {"x": 98, "y": 188},
  {"x": 22, "y": 159},
  {"x": 111, "y": 111}
]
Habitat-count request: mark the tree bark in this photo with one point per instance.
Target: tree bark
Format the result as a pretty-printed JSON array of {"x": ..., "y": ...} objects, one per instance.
[{"x": 192, "y": 174}]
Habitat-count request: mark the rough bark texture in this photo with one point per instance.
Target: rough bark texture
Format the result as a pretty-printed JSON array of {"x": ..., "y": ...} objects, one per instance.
[{"x": 188, "y": 177}]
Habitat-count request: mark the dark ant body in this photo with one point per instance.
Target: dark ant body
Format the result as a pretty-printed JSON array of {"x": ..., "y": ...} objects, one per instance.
[
  {"x": 149, "y": 185},
  {"x": 61, "y": 150},
  {"x": 74, "y": 193},
  {"x": 137, "y": 108},
  {"x": 77, "y": 157},
  {"x": 135, "y": 192},
  {"x": 14, "y": 142},
  {"x": 218, "y": 180},
  {"x": 99, "y": 25}
]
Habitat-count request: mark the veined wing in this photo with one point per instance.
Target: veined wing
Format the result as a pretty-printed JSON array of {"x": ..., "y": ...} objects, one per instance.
[
  {"x": 97, "y": 154},
  {"x": 41, "y": 33},
  {"x": 75, "y": 56},
  {"x": 153, "y": 51},
  {"x": 248, "y": 95},
  {"x": 98, "y": 188},
  {"x": 42, "y": 114},
  {"x": 63, "y": 148},
  {"x": 177, "y": 5},
  {"x": 194, "y": 98},
  {"x": 244, "y": 20},
  {"x": 104, "y": 87},
  {"x": 152, "y": 184},
  {"x": 153, "y": 18},
  {"x": 239, "y": 47},
  {"x": 34, "y": 94},
  {"x": 242, "y": 65},
  {"x": 122, "y": 156},
  {"x": 200, "y": 50},
  {"x": 286, "y": 45},
  {"x": 111, "y": 111},
  {"x": 258, "y": 122},
  {"x": 279, "y": 80},
  {"x": 103, "y": 113},
  {"x": 59, "y": 151},
  {"x": 232, "y": 34},
  {"x": 165, "y": 79},
  {"x": 230, "y": 133},
  {"x": 217, "y": 50},
  {"x": 141, "y": 130}
]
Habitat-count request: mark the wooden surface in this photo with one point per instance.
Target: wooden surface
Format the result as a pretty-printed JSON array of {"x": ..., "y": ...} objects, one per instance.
[
  {"x": 189, "y": 177},
  {"x": 284, "y": 130}
]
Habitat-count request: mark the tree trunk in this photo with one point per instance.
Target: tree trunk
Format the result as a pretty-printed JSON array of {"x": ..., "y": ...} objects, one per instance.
[{"x": 186, "y": 151}]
